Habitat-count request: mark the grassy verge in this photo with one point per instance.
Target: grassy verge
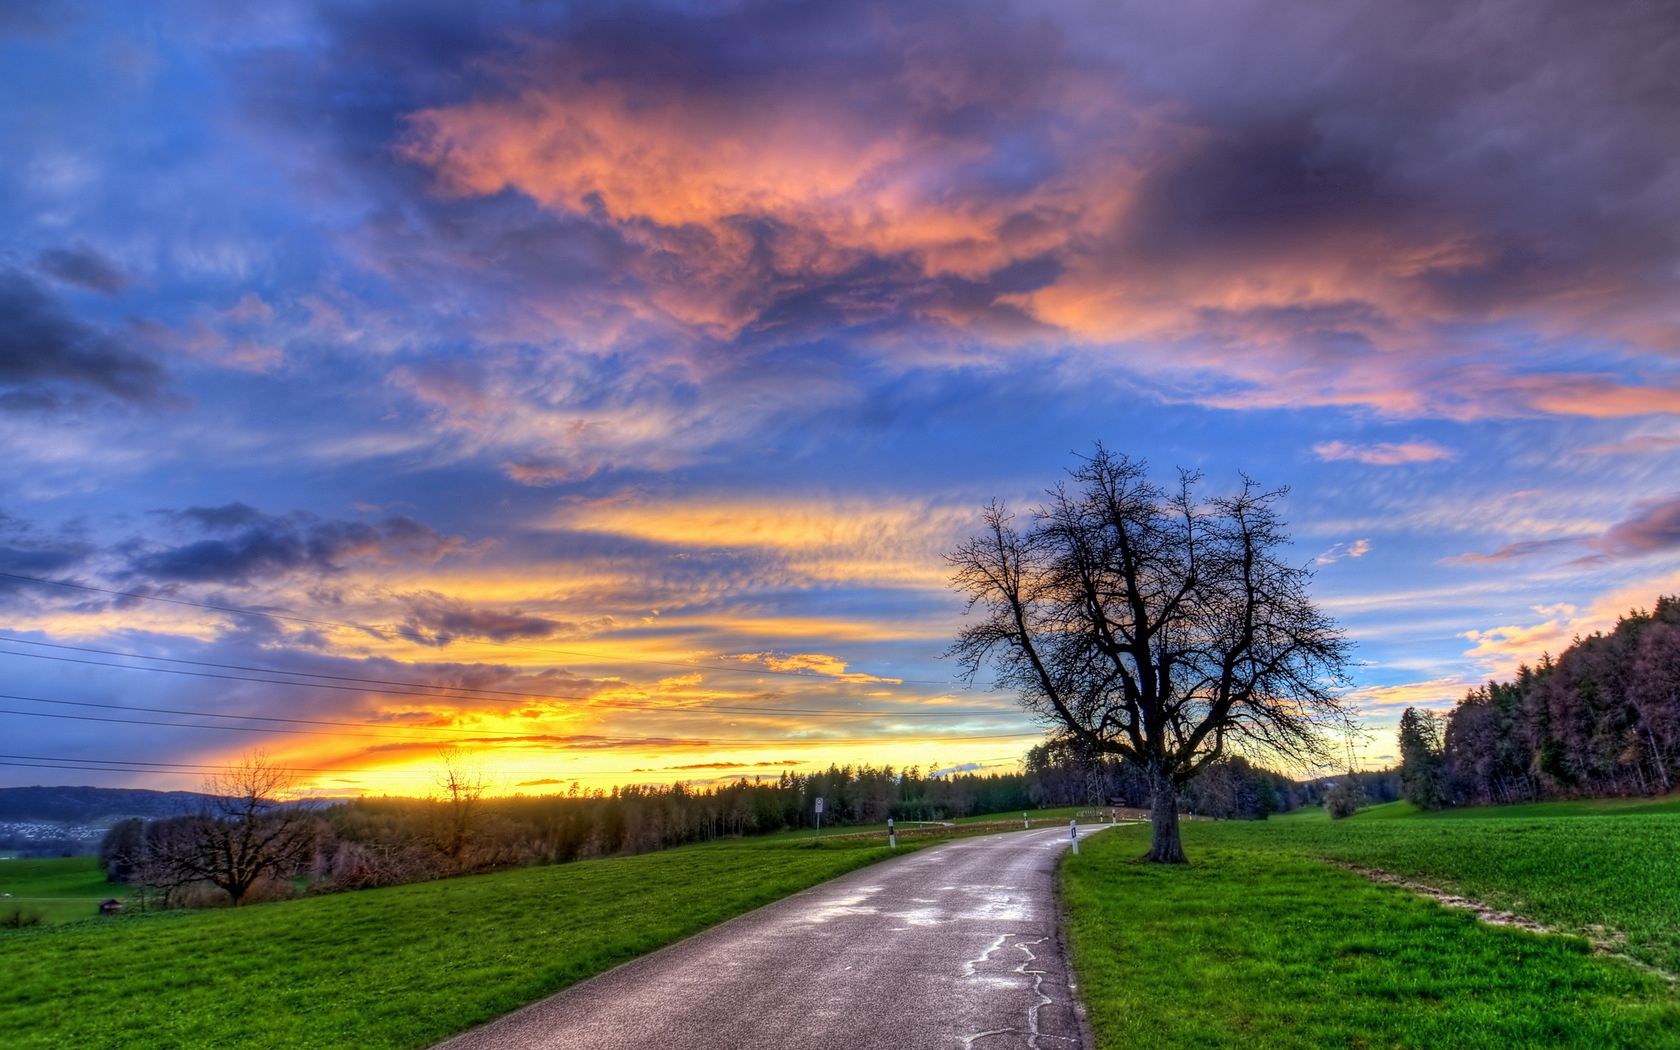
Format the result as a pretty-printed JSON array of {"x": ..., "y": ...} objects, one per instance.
[
  {"x": 1263, "y": 941},
  {"x": 398, "y": 967}
]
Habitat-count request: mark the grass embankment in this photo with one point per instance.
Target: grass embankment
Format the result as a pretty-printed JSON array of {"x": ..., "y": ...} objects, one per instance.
[
  {"x": 61, "y": 889},
  {"x": 1265, "y": 940},
  {"x": 397, "y": 967}
]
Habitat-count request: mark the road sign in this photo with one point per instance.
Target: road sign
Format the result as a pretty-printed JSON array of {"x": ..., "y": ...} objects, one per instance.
[{"x": 819, "y": 803}]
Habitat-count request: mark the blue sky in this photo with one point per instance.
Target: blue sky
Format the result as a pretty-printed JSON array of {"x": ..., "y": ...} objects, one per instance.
[{"x": 687, "y": 338}]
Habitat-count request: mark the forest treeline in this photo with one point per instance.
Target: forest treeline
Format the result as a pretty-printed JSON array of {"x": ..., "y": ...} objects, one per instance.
[
  {"x": 247, "y": 846},
  {"x": 1602, "y": 719}
]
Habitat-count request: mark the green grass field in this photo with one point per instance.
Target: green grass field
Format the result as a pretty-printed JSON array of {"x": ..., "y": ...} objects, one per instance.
[
  {"x": 1266, "y": 940},
  {"x": 58, "y": 890},
  {"x": 1605, "y": 871},
  {"x": 397, "y": 967}
]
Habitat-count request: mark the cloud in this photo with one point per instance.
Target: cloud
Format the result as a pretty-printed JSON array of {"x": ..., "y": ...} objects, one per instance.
[
  {"x": 488, "y": 745},
  {"x": 254, "y": 546},
  {"x": 786, "y": 764},
  {"x": 1500, "y": 650},
  {"x": 84, "y": 268},
  {"x": 1636, "y": 445},
  {"x": 1656, "y": 527},
  {"x": 26, "y": 553},
  {"x": 1653, "y": 528},
  {"x": 45, "y": 352},
  {"x": 1435, "y": 693},
  {"x": 1513, "y": 551},
  {"x": 1247, "y": 232},
  {"x": 437, "y": 619},
  {"x": 223, "y": 518},
  {"x": 813, "y": 663},
  {"x": 895, "y": 542},
  {"x": 1351, "y": 549},
  {"x": 1385, "y": 453}
]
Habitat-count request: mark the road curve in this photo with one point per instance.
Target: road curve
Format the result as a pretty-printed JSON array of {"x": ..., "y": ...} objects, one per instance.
[{"x": 953, "y": 947}]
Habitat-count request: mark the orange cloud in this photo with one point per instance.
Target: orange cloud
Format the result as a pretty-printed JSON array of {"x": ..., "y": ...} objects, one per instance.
[
  {"x": 1432, "y": 693},
  {"x": 818, "y": 663},
  {"x": 1500, "y": 650},
  {"x": 1384, "y": 453},
  {"x": 897, "y": 543}
]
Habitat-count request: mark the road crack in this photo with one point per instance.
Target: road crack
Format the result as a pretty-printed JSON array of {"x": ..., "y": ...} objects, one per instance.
[{"x": 1036, "y": 1039}]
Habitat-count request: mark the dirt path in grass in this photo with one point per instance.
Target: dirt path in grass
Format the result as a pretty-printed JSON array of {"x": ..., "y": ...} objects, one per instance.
[
  {"x": 1604, "y": 941},
  {"x": 954, "y": 947}
]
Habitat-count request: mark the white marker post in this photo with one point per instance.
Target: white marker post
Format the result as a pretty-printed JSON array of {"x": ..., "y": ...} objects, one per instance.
[
  {"x": 819, "y": 816},
  {"x": 892, "y": 835},
  {"x": 1073, "y": 834},
  {"x": 1025, "y": 823}
]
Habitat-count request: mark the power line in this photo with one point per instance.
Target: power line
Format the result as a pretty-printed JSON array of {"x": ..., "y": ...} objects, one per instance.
[
  {"x": 708, "y": 740},
  {"x": 281, "y": 670},
  {"x": 268, "y": 718},
  {"x": 265, "y": 718},
  {"x": 188, "y": 725},
  {"x": 193, "y": 773},
  {"x": 273, "y": 681},
  {"x": 380, "y": 629},
  {"x": 122, "y": 765},
  {"x": 622, "y": 705},
  {"x": 206, "y": 768}
]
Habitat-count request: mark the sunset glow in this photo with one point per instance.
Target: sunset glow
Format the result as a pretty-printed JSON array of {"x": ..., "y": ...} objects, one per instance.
[{"x": 600, "y": 392}]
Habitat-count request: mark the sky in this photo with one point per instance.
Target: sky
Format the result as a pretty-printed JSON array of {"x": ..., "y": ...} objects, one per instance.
[{"x": 595, "y": 388}]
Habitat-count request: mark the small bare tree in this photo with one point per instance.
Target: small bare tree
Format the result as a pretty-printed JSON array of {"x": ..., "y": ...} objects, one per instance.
[
  {"x": 245, "y": 834},
  {"x": 1149, "y": 624},
  {"x": 461, "y": 785}
]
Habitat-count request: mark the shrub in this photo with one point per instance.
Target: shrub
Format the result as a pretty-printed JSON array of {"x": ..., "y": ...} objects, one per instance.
[
  {"x": 18, "y": 918},
  {"x": 1344, "y": 798}
]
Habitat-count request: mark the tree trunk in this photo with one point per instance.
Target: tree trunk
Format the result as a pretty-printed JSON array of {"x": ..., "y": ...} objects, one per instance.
[{"x": 1164, "y": 844}]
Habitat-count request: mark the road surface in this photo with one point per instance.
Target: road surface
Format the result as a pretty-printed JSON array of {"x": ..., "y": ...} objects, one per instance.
[{"x": 951, "y": 947}]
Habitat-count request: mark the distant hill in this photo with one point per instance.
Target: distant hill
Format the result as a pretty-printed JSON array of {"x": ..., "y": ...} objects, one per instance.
[
  {"x": 53, "y": 820},
  {"x": 93, "y": 804}
]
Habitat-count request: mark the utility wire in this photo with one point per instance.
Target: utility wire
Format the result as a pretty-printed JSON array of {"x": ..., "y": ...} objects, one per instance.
[
  {"x": 266, "y": 718},
  {"x": 786, "y": 741},
  {"x": 375, "y": 688},
  {"x": 281, "y": 670},
  {"x": 272, "y": 718},
  {"x": 380, "y": 630},
  {"x": 94, "y": 765},
  {"x": 193, "y": 773},
  {"x": 273, "y": 681}
]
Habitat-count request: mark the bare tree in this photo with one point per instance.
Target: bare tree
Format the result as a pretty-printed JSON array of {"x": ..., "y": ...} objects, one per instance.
[
  {"x": 1153, "y": 625},
  {"x": 461, "y": 785},
  {"x": 245, "y": 834}
]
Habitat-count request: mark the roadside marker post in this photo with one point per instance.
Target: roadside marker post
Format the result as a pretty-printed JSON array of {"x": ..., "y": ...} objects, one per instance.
[
  {"x": 1025, "y": 823},
  {"x": 892, "y": 835},
  {"x": 1073, "y": 834}
]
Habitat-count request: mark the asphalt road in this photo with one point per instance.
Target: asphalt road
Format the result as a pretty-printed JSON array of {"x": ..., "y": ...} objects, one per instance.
[{"x": 951, "y": 947}]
